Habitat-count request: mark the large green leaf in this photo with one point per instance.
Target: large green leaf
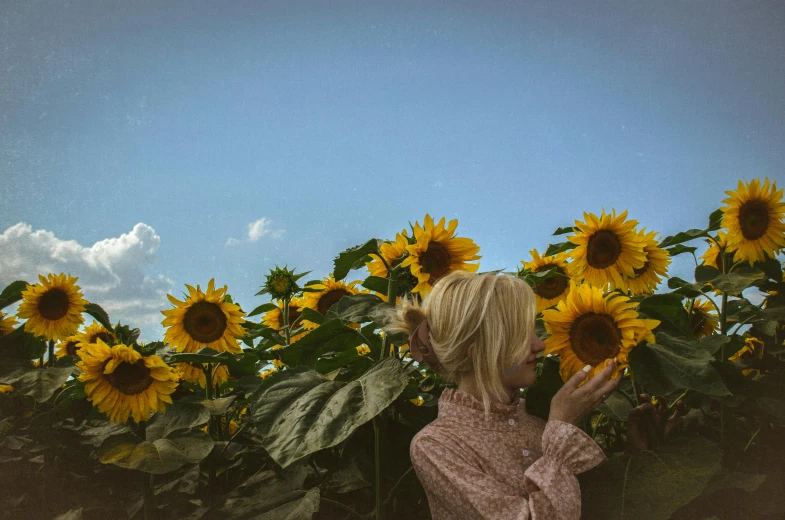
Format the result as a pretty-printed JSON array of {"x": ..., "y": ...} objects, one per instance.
[
  {"x": 158, "y": 456},
  {"x": 12, "y": 293},
  {"x": 376, "y": 283},
  {"x": 97, "y": 312},
  {"x": 39, "y": 383},
  {"x": 268, "y": 496},
  {"x": 354, "y": 258},
  {"x": 675, "y": 364},
  {"x": 304, "y": 412},
  {"x": 357, "y": 308},
  {"x": 738, "y": 280},
  {"x": 20, "y": 345},
  {"x": 331, "y": 336},
  {"x": 554, "y": 249},
  {"x": 539, "y": 395},
  {"x": 669, "y": 310},
  {"x": 266, "y": 307},
  {"x": 650, "y": 485},
  {"x": 684, "y": 236},
  {"x": 679, "y": 249},
  {"x": 183, "y": 415}
]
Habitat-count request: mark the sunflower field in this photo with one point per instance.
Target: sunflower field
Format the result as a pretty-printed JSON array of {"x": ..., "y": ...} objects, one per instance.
[{"x": 304, "y": 408}]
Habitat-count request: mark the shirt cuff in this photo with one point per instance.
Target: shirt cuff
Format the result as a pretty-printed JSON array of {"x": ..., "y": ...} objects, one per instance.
[{"x": 570, "y": 446}]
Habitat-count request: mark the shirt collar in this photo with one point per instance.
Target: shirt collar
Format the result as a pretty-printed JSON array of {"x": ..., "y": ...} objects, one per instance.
[{"x": 462, "y": 407}]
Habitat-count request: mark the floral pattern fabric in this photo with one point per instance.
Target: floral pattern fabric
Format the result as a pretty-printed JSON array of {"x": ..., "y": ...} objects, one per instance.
[{"x": 511, "y": 465}]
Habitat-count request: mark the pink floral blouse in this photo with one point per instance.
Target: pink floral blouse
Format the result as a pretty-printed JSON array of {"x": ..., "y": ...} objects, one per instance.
[{"x": 511, "y": 466}]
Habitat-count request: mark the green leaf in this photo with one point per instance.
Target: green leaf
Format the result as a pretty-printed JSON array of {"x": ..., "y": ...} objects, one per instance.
[
  {"x": 12, "y": 293},
  {"x": 715, "y": 220},
  {"x": 331, "y": 336},
  {"x": 674, "y": 364},
  {"x": 554, "y": 249},
  {"x": 183, "y": 415},
  {"x": 683, "y": 287},
  {"x": 353, "y": 258},
  {"x": 669, "y": 310},
  {"x": 616, "y": 407},
  {"x": 679, "y": 249},
  {"x": 267, "y": 496},
  {"x": 684, "y": 236},
  {"x": 159, "y": 456},
  {"x": 304, "y": 412},
  {"x": 376, "y": 283},
  {"x": 99, "y": 314},
  {"x": 650, "y": 484},
  {"x": 736, "y": 281},
  {"x": 357, "y": 308},
  {"x": 239, "y": 364},
  {"x": 312, "y": 315},
  {"x": 21, "y": 345},
  {"x": 39, "y": 383},
  {"x": 325, "y": 365},
  {"x": 267, "y": 307},
  {"x": 539, "y": 395},
  {"x": 563, "y": 230},
  {"x": 706, "y": 273}
]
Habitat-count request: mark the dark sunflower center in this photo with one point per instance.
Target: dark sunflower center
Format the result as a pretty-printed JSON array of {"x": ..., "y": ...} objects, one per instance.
[
  {"x": 554, "y": 286},
  {"x": 753, "y": 219},
  {"x": 130, "y": 379},
  {"x": 435, "y": 260},
  {"x": 603, "y": 250},
  {"x": 640, "y": 270},
  {"x": 330, "y": 299},
  {"x": 54, "y": 304},
  {"x": 293, "y": 315},
  {"x": 71, "y": 348},
  {"x": 205, "y": 322},
  {"x": 697, "y": 319},
  {"x": 595, "y": 338}
]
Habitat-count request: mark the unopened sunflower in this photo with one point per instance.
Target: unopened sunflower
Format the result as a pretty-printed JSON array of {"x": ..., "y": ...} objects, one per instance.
[
  {"x": 590, "y": 329},
  {"x": 53, "y": 308},
  {"x": 704, "y": 320},
  {"x": 753, "y": 218},
  {"x": 120, "y": 382},
  {"x": 193, "y": 373},
  {"x": 391, "y": 252},
  {"x": 68, "y": 347},
  {"x": 551, "y": 291},
  {"x": 204, "y": 320},
  {"x": 753, "y": 348},
  {"x": 608, "y": 248},
  {"x": 94, "y": 332},
  {"x": 646, "y": 278},
  {"x": 7, "y": 323},
  {"x": 438, "y": 252},
  {"x": 274, "y": 318},
  {"x": 329, "y": 293}
]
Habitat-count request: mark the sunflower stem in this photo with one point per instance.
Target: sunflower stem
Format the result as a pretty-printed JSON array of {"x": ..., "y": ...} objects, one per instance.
[
  {"x": 286, "y": 321},
  {"x": 627, "y": 397},
  {"x": 51, "y": 352},
  {"x": 147, "y": 481},
  {"x": 377, "y": 451},
  {"x": 635, "y": 387},
  {"x": 392, "y": 290}
]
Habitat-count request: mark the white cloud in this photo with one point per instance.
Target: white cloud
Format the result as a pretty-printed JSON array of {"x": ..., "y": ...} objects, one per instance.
[
  {"x": 111, "y": 272},
  {"x": 256, "y": 230}
]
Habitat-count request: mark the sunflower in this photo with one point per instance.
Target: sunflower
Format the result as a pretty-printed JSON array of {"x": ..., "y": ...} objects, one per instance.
[
  {"x": 437, "y": 252},
  {"x": 608, "y": 248},
  {"x": 555, "y": 289},
  {"x": 7, "y": 323},
  {"x": 588, "y": 328},
  {"x": 120, "y": 382},
  {"x": 93, "y": 332},
  {"x": 267, "y": 372},
  {"x": 646, "y": 278},
  {"x": 192, "y": 373},
  {"x": 363, "y": 349},
  {"x": 274, "y": 318},
  {"x": 704, "y": 318},
  {"x": 6, "y": 389},
  {"x": 53, "y": 308},
  {"x": 68, "y": 347},
  {"x": 712, "y": 255},
  {"x": 754, "y": 220},
  {"x": 329, "y": 293},
  {"x": 753, "y": 348},
  {"x": 391, "y": 252},
  {"x": 204, "y": 320}
]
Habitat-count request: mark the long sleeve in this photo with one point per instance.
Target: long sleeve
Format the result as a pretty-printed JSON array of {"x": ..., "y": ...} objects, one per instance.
[{"x": 465, "y": 492}]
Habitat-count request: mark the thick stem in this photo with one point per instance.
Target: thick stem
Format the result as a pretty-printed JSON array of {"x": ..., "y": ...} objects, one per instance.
[
  {"x": 286, "y": 321},
  {"x": 51, "y": 352},
  {"x": 635, "y": 387},
  {"x": 392, "y": 289},
  {"x": 377, "y": 451}
]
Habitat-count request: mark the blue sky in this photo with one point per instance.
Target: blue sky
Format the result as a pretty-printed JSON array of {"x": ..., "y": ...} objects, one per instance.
[{"x": 138, "y": 138}]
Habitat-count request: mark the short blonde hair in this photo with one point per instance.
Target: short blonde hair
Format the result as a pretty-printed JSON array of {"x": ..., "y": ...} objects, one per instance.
[{"x": 479, "y": 324}]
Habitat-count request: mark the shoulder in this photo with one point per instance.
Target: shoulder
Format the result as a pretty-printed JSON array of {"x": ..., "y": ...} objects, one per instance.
[{"x": 438, "y": 439}]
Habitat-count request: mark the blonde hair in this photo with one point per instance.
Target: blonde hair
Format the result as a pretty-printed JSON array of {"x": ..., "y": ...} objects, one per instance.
[{"x": 479, "y": 324}]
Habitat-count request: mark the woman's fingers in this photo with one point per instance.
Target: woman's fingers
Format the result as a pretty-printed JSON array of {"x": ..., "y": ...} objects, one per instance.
[
  {"x": 598, "y": 380},
  {"x": 573, "y": 382},
  {"x": 609, "y": 386}
]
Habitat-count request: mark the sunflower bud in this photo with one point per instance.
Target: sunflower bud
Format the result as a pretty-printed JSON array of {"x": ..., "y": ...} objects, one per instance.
[{"x": 281, "y": 283}]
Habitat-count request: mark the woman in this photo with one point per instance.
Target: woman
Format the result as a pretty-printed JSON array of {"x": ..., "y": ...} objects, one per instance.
[{"x": 484, "y": 457}]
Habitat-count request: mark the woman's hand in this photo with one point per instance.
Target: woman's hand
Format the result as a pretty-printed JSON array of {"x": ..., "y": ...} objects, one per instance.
[
  {"x": 571, "y": 404},
  {"x": 648, "y": 424}
]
